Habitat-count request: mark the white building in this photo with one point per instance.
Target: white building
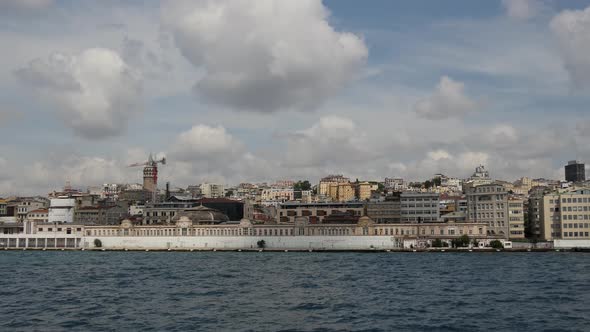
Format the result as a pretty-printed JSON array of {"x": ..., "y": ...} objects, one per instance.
[
  {"x": 277, "y": 194},
  {"x": 61, "y": 210},
  {"x": 211, "y": 190}
]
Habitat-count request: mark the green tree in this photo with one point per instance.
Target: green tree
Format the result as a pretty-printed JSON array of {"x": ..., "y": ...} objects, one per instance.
[
  {"x": 437, "y": 243},
  {"x": 229, "y": 193},
  {"x": 462, "y": 241},
  {"x": 436, "y": 182},
  {"x": 496, "y": 244},
  {"x": 302, "y": 185},
  {"x": 261, "y": 244},
  {"x": 97, "y": 243}
]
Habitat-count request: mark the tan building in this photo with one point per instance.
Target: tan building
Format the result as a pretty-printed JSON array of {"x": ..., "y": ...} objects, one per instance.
[
  {"x": 341, "y": 192},
  {"x": 325, "y": 183},
  {"x": 363, "y": 191},
  {"x": 277, "y": 194},
  {"x": 565, "y": 215},
  {"x": 516, "y": 218}
]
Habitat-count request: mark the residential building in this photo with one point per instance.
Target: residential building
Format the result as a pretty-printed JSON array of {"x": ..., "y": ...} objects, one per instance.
[
  {"x": 479, "y": 177},
  {"x": 516, "y": 218},
  {"x": 61, "y": 210},
  {"x": 3, "y": 205},
  {"x": 385, "y": 212},
  {"x": 565, "y": 215},
  {"x": 328, "y": 181},
  {"x": 341, "y": 192},
  {"x": 39, "y": 215},
  {"x": 575, "y": 171},
  {"x": 488, "y": 204},
  {"x": 211, "y": 190},
  {"x": 419, "y": 207},
  {"x": 395, "y": 184},
  {"x": 277, "y": 194},
  {"x": 27, "y": 205},
  {"x": 363, "y": 191},
  {"x": 100, "y": 215}
]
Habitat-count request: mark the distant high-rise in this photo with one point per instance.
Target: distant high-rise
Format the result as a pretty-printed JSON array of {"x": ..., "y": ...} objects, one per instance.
[{"x": 575, "y": 171}]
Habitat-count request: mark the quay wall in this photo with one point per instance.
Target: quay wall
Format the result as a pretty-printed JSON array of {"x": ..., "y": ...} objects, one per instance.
[
  {"x": 569, "y": 244},
  {"x": 368, "y": 242},
  {"x": 249, "y": 242}
]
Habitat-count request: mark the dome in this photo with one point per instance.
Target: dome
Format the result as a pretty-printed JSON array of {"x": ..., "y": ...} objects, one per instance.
[{"x": 201, "y": 215}]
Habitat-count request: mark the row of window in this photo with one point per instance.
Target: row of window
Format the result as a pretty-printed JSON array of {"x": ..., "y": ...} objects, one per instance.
[
  {"x": 576, "y": 225},
  {"x": 571, "y": 200},
  {"x": 58, "y": 229},
  {"x": 434, "y": 205},
  {"x": 490, "y": 215},
  {"x": 571, "y": 209},
  {"x": 575, "y": 234},
  {"x": 490, "y": 206}
]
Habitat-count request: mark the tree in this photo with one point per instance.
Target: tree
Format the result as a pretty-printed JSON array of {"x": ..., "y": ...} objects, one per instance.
[
  {"x": 437, "y": 243},
  {"x": 437, "y": 182},
  {"x": 302, "y": 185},
  {"x": 462, "y": 241},
  {"x": 97, "y": 243},
  {"x": 229, "y": 193},
  {"x": 496, "y": 244},
  {"x": 261, "y": 244}
]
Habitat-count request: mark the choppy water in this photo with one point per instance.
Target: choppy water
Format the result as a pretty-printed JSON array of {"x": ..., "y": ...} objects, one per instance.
[{"x": 161, "y": 291}]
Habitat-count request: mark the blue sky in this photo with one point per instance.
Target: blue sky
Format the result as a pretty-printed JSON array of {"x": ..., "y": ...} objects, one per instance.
[{"x": 235, "y": 92}]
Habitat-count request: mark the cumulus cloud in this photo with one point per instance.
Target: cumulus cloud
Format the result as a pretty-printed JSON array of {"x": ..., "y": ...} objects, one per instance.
[
  {"x": 95, "y": 91},
  {"x": 447, "y": 101},
  {"x": 266, "y": 55},
  {"x": 332, "y": 141},
  {"x": 522, "y": 9},
  {"x": 571, "y": 28},
  {"x": 208, "y": 153},
  {"x": 203, "y": 141}
]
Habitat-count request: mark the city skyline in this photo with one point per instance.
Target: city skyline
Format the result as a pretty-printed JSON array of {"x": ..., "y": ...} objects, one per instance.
[{"x": 392, "y": 90}]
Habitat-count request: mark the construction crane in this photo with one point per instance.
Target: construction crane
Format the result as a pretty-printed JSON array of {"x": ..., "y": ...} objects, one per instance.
[
  {"x": 150, "y": 162},
  {"x": 150, "y": 174}
]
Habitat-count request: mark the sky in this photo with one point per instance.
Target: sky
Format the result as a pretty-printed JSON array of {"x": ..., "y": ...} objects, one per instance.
[{"x": 237, "y": 91}]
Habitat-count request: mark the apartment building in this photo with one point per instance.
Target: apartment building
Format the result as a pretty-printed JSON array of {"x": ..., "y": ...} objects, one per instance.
[
  {"x": 516, "y": 218},
  {"x": 565, "y": 215},
  {"x": 488, "y": 203}
]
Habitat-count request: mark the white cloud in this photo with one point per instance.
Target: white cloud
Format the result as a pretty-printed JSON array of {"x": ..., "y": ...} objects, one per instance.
[
  {"x": 274, "y": 55},
  {"x": 95, "y": 91},
  {"x": 331, "y": 142},
  {"x": 522, "y": 9},
  {"x": 572, "y": 31},
  {"x": 203, "y": 141},
  {"x": 447, "y": 101}
]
